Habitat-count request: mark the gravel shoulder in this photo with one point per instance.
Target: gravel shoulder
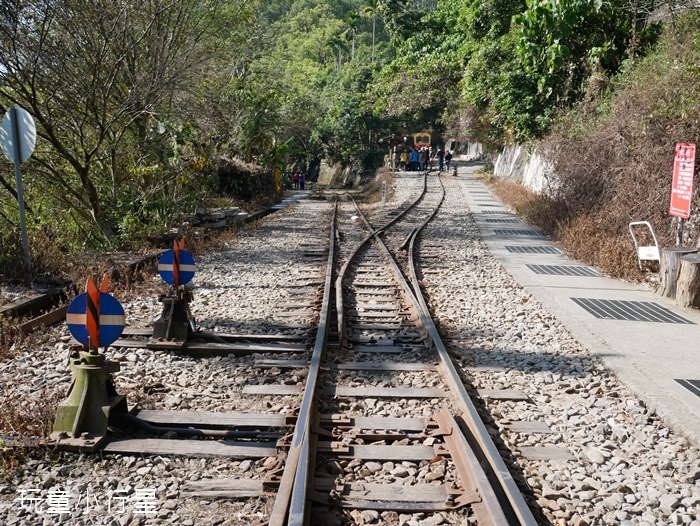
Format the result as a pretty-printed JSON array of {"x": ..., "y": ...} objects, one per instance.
[{"x": 627, "y": 467}]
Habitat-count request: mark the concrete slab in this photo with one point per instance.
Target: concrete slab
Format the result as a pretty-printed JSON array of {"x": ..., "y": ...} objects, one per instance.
[{"x": 648, "y": 357}]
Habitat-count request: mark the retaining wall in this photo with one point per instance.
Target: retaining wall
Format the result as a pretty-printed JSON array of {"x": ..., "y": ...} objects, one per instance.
[{"x": 519, "y": 163}]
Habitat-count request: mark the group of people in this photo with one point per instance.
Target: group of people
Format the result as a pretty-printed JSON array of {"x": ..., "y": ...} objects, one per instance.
[
  {"x": 299, "y": 180},
  {"x": 422, "y": 159}
]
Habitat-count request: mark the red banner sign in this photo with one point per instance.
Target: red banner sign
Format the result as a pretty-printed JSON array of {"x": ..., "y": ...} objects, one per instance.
[{"x": 682, "y": 190}]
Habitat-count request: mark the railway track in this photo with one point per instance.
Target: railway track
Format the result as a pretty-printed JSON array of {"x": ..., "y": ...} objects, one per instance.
[
  {"x": 220, "y": 437},
  {"x": 387, "y": 341},
  {"x": 381, "y": 424}
]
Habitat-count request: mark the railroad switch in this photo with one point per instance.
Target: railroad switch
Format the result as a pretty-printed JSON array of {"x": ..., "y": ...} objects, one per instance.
[
  {"x": 95, "y": 319},
  {"x": 176, "y": 323},
  {"x": 82, "y": 419}
]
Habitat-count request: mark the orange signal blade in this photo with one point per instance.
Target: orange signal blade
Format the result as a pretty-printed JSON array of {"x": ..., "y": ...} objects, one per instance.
[
  {"x": 176, "y": 263},
  {"x": 105, "y": 283},
  {"x": 92, "y": 313}
]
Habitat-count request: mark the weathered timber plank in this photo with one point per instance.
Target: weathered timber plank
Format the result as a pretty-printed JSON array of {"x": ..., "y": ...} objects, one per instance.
[
  {"x": 385, "y": 492},
  {"x": 485, "y": 367},
  {"x": 378, "y": 326},
  {"x": 294, "y": 314},
  {"x": 191, "y": 448},
  {"x": 45, "y": 320},
  {"x": 384, "y": 392},
  {"x": 273, "y": 389},
  {"x": 529, "y": 427},
  {"x": 385, "y": 315},
  {"x": 127, "y": 344},
  {"x": 282, "y": 364},
  {"x": 387, "y": 307},
  {"x": 210, "y": 418},
  {"x": 383, "y": 366},
  {"x": 378, "y": 422},
  {"x": 377, "y": 348},
  {"x": 379, "y": 342},
  {"x": 223, "y": 489},
  {"x": 546, "y": 453},
  {"x": 502, "y": 394},
  {"x": 235, "y": 337},
  {"x": 380, "y": 452},
  {"x": 137, "y": 332},
  {"x": 215, "y": 347}
]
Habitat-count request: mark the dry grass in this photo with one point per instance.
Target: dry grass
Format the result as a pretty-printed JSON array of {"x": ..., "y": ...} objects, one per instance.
[
  {"x": 29, "y": 417},
  {"x": 372, "y": 192},
  {"x": 613, "y": 159}
]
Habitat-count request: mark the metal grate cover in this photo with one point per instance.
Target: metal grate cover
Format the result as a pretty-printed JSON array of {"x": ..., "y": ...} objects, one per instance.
[
  {"x": 482, "y": 204},
  {"x": 517, "y": 249},
  {"x": 563, "y": 270},
  {"x": 512, "y": 232},
  {"x": 502, "y": 212},
  {"x": 629, "y": 311},
  {"x": 691, "y": 385},
  {"x": 490, "y": 220}
]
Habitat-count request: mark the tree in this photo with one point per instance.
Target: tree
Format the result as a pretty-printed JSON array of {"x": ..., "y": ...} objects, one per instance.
[
  {"x": 352, "y": 18},
  {"x": 372, "y": 10},
  {"x": 560, "y": 41},
  {"x": 94, "y": 75}
]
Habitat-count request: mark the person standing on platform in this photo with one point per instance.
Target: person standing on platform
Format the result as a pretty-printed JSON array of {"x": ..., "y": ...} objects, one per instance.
[
  {"x": 422, "y": 158},
  {"x": 413, "y": 158}
]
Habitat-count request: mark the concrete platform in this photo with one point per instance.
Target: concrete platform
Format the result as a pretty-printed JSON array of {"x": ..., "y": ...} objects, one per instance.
[{"x": 654, "y": 351}]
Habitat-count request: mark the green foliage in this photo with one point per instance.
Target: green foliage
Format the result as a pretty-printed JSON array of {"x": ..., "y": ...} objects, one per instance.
[
  {"x": 613, "y": 156},
  {"x": 559, "y": 42},
  {"x": 137, "y": 103},
  {"x": 349, "y": 119}
]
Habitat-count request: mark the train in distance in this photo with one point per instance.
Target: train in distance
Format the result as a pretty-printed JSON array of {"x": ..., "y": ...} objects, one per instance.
[{"x": 418, "y": 140}]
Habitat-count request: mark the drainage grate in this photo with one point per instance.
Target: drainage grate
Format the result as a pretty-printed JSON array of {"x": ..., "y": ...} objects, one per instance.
[
  {"x": 629, "y": 310},
  {"x": 479, "y": 192},
  {"x": 512, "y": 232},
  {"x": 691, "y": 385},
  {"x": 532, "y": 249},
  {"x": 563, "y": 270},
  {"x": 502, "y": 212},
  {"x": 481, "y": 204},
  {"x": 503, "y": 221}
]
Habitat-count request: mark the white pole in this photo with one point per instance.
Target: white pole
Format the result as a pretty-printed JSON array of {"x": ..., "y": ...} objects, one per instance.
[{"x": 20, "y": 195}]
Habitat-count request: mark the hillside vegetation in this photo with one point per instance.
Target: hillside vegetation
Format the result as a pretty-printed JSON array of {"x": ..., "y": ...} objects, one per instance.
[
  {"x": 143, "y": 107},
  {"x": 612, "y": 156}
]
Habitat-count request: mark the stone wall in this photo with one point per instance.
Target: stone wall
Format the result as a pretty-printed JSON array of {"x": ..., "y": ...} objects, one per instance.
[
  {"x": 336, "y": 175},
  {"x": 518, "y": 163}
]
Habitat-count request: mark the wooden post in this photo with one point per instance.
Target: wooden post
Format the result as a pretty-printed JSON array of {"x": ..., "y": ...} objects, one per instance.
[
  {"x": 668, "y": 269},
  {"x": 688, "y": 288}
]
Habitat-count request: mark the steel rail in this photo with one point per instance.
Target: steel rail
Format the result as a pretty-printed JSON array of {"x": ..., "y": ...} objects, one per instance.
[
  {"x": 492, "y": 506},
  {"x": 291, "y": 495},
  {"x": 473, "y": 421},
  {"x": 290, "y": 502},
  {"x": 342, "y": 332}
]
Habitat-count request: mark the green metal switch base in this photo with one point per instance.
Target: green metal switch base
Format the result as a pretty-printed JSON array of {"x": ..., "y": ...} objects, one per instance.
[{"x": 82, "y": 419}]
